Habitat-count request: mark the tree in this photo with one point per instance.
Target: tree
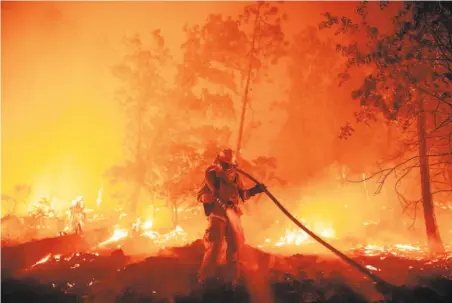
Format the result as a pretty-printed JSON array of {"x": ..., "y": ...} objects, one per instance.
[
  {"x": 143, "y": 97},
  {"x": 267, "y": 44},
  {"x": 224, "y": 53},
  {"x": 218, "y": 57},
  {"x": 408, "y": 86},
  {"x": 183, "y": 170},
  {"x": 315, "y": 104},
  {"x": 169, "y": 132},
  {"x": 19, "y": 196},
  {"x": 205, "y": 78},
  {"x": 181, "y": 164},
  {"x": 170, "y": 150}
]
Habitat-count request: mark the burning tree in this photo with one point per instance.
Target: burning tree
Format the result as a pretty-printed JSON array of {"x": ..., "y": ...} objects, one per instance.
[{"x": 408, "y": 86}]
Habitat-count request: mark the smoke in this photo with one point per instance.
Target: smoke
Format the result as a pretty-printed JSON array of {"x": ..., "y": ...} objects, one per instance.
[{"x": 62, "y": 127}]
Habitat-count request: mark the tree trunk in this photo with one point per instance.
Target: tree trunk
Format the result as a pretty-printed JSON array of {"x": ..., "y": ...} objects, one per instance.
[
  {"x": 134, "y": 199},
  {"x": 154, "y": 212},
  {"x": 175, "y": 216},
  {"x": 366, "y": 189},
  {"x": 248, "y": 79},
  {"x": 435, "y": 243},
  {"x": 14, "y": 206},
  {"x": 343, "y": 176},
  {"x": 449, "y": 174}
]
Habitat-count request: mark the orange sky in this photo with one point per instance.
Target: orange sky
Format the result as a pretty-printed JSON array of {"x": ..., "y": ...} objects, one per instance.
[{"x": 61, "y": 127}]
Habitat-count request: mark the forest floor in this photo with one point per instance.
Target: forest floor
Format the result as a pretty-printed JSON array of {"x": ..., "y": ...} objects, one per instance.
[{"x": 65, "y": 269}]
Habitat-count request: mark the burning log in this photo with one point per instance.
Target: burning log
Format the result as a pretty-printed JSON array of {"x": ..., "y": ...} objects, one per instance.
[{"x": 25, "y": 255}]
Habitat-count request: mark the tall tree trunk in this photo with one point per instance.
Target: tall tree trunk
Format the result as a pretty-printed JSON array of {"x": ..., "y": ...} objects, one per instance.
[
  {"x": 343, "y": 176},
  {"x": 449, "y": 173},
  {"x": 366, "y": 189},
  {"x": 15, "y": 202},
  {"x": 153, "y": 205},
  {"x": 134, "y": 200},
  {"x": 175, "y": 216},
  {"x": 248, "y": 79},
  {"x": 140, "y": 169},
  {"x": 435, "y": 243}
]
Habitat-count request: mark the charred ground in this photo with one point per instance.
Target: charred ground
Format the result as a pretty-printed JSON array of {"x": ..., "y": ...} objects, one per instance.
[{"x": 170, "y": 276}]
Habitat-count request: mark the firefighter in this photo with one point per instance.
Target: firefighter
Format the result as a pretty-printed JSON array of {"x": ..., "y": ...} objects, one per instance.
[
  {"x": 78, "y": 216},
  {"x": 222, "y": 189}
]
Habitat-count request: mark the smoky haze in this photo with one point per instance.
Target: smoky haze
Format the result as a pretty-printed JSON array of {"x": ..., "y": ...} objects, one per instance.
[{"x": 63, "y": 127}]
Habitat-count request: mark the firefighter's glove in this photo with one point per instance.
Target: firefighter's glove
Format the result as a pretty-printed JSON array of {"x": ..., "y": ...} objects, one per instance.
[{"x": 257, "y": 189}]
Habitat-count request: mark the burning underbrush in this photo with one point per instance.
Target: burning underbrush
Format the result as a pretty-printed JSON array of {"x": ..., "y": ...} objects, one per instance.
[
  {"x": 133, "y": 261},
  {"x": 120, "y": 259}
]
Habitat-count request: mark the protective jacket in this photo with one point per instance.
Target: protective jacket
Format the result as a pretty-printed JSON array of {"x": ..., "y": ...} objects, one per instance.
[{"x": 216, "y": 185}]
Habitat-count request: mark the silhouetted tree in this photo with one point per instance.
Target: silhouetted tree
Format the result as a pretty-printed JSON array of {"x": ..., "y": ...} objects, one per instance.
[
  {"x": 20, "y": 195},
  {"x": 316, "y": 105},
  {"x": 267, "y": 45},
  {"x": 143, "y": 97},
  {"x": 409, "y": 84},
  {"x": 224, "y": 53}
]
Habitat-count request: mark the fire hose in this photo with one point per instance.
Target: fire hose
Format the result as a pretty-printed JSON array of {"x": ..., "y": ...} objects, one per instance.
[{"x": 381, "y": 284}]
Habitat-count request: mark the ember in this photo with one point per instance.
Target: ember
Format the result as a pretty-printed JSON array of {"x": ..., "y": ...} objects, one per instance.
[{"x": 43, "y": 260}]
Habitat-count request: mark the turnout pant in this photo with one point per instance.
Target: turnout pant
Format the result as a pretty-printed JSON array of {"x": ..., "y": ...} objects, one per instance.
[{"x": 218, "y": 230}]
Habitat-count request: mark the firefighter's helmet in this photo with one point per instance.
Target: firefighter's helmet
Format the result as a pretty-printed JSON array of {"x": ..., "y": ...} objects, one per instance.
[
  {"x": 227, "y": 156},
  {"x": 78, "y": 201}
]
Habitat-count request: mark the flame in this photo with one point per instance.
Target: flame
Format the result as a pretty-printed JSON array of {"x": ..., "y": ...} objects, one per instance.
[
  {"x": 137, "y": 226},
  {"x": 297, "y": 237},
  {"x": 147, "y": 225},
  {"x": 118, "y": 234},
  {"x": 43, "y": 260},
  {"x": 290, "y": 237},
  {"x": 407, "y": 247},
  {"x": 145, "y": 230},
  {"x": 99, "y": 196},
  {"x": 329, "y": 233},
  {"x": 405, "y": 250}
]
